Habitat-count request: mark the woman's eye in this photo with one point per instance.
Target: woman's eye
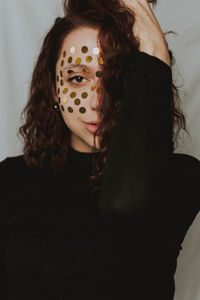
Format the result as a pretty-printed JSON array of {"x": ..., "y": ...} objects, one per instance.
[{"x": 77, "y": 78}]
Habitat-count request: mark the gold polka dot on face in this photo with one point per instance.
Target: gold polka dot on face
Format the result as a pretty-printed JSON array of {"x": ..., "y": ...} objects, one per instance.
[
  {"x": 70, "y": 71},
  {"x": 61, "y": 73},
  {"x": 65, "y": 99},
  {"x": 82, "y": 110},
  {"x": 61, "y": 82},
  {"x": 96, "y": 50},
  {"x": 73, "y": 95},
  {"x": 70, "y": 109},
  {"x": 77, "y": 101},
  {"x": 99, "y": 74},
  {"x": 58, "y": 91},
  {"x": 65, "y": 91},
  {"x": 57, "y": 78},
  {"x": 93, "y": 87},
  {"x": 84, "y": 95},
  {"x": 88, "y": 59},
  {"x": 100, "y": 60},
  {"x": 69, "y": 59},
  {"x": 72, "y": 50},
  {"x": 78, "y": 60},
  {"x": 62, "y": 107},
  {"x": 62, "y": 63},
  {"x": 86, "y": 70},
  {"x": 84, "y": 49},
  {"x": 59, "y": 99},
  {"x": 64, "y": 53}
]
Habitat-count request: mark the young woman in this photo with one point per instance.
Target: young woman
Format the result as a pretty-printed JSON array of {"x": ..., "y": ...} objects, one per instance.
[{"x": 98, "y": 204}]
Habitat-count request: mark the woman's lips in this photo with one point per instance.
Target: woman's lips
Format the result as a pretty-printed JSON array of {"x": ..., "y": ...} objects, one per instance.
[{"x": 91, "y": 127}]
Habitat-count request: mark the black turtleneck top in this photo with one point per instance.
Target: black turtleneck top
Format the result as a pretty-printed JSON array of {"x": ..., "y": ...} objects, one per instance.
[{"x": 59, "y": 239}]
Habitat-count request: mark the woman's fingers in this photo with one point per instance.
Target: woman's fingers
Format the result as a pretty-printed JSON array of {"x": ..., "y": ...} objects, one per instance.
[{"x": 147, "y": 30}]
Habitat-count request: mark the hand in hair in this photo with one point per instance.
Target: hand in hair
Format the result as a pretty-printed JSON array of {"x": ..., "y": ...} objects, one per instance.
[{"x": 147, "y": 30}]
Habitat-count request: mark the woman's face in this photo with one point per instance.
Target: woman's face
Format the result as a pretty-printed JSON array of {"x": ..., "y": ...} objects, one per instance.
[{"x": 77, "y": 73}]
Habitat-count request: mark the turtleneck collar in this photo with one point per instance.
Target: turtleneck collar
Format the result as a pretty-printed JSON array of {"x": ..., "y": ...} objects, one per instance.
[{"x": 77, "y": 154}]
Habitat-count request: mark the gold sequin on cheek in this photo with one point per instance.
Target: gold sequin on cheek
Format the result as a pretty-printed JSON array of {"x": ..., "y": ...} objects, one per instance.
[
  {"x": 64, "y": 53},
  {"x": 82, "y": 110},
  {"x": 65, "y": 99},
  {"x": 61, "y": 82},
  {"x": 88, "y": 59},
  {"x": 84, "y": 95},
  {"x": 99, "y": 74},
  {"x": 65, "y": 91},
  {"x": 73, "y": 95},
  {"x": 93, "y": 87},
  {"x": 62, "y": 63},
  {"x": 96, "y": 51},
  {"x": 84, "y": 49},
  {"x": 69, "y": 59},
  {"x": 77, "y": 101},
  {"x": 70, "y": 109},
  {"x": 62, "y": 107},
  {"x": 78, "y": 60},
  {"x": 100, "y": 60},
  {"x": 72, "y": 50}
]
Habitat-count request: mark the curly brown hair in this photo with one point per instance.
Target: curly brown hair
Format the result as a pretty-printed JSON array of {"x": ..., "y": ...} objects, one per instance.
[{"x": 46, "y": 136}]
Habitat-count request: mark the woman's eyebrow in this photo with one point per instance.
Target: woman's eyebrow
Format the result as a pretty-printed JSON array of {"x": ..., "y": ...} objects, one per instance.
[{"x": 75, "y": 66}]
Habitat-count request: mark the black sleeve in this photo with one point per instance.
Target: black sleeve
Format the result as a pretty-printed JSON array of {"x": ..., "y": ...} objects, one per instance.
[{"x": 142, "y": 143}]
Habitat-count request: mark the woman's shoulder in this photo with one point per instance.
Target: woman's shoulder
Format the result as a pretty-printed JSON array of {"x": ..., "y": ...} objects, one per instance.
[
  {"x": 186, "y": 163},
  {"x": 185, "y": 175}
]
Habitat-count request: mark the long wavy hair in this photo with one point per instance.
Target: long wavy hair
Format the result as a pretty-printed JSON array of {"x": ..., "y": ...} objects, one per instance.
[{"x": 45, "y": 134}]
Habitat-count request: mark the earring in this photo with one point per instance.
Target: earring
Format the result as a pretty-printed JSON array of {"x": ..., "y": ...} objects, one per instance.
[{"x": 56, "y": 106}]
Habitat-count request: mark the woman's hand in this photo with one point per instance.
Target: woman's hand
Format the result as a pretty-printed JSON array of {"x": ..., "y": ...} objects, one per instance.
[{"x": 147, "y": 30}]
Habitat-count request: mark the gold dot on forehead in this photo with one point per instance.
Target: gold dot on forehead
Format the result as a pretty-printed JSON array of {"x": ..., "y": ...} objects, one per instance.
[
  {"x": 62, "y": 63},
  {"x": 100, "y": 60},
  {"x": 61, "y": 82},
  {"x": 64, "y": 53},
  {"x": 73, "y": 95},
  {"x": 84, "y": 49},
  {"x": 82, "y": 110},
  {"x": 96, "y": 50},
  {"x": 78, "y": 60},
  {"x": 84, "y": 95},
  {"x": 72, "y": 50},
  {"x": 77, "y": 101},
  {"x": 93, "y": 87},
  {"x": 62, "y": 107},
  {"x": 99, "y": 74},
  {"x": 69, "y": 59},
  {"x": 65, "y": 99},
  {"x": 70, "y": 109},
  {"x": 88, "y": 59},
  {"x": 65, "y": 91}
]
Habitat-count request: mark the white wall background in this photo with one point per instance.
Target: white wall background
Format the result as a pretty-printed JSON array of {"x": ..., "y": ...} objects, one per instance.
[{"x": 23, "y": 25}]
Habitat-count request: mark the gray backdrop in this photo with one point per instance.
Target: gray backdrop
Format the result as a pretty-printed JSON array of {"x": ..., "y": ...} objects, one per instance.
[{"x": 23, "y": 25}]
